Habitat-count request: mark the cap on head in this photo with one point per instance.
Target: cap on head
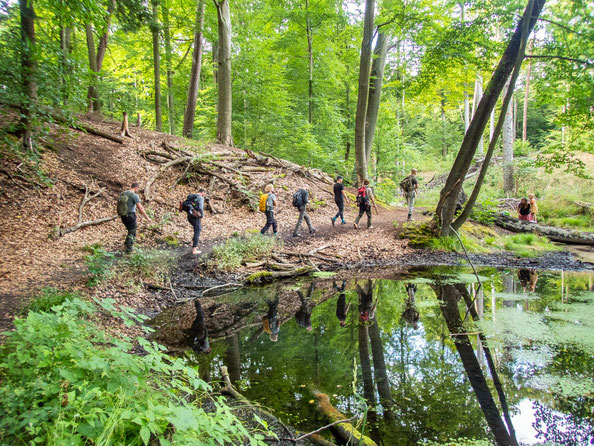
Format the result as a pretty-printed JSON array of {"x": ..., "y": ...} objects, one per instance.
[
  {"x": 413, "y": 171},
  {"x": 339, "y": 177}
]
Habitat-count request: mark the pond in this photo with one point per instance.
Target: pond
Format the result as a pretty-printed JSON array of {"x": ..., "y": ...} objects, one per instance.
[{"x": 431, "y": 356}]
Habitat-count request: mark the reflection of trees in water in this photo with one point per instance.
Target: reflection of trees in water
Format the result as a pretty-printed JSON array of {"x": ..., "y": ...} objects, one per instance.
[
  {"x": 557, "y": 428},
  {"x": 449, "y": 295}
]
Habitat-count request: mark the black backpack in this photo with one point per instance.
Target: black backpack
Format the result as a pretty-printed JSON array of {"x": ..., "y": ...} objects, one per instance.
[
  {"x": 363, "y": 198},
  {"x": 190, "y": 203},
  {"x": 298, "y": 198},
  {"x": 407, "y": 184}
]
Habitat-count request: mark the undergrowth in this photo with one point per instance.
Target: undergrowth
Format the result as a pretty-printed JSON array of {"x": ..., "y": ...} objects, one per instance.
[
  {"x": 238, "y": 250},
  {"x": 477, "y": 239},
  {"x": 47, "y": 298},
  {"x": 66, "y": 381}
]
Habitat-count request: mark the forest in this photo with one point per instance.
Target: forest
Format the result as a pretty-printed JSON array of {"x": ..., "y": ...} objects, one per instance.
[{"x": 488, "y": 101}]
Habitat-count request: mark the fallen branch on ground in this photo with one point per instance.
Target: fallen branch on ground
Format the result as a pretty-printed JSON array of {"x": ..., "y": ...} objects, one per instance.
[
  {"x": 554, "y": 234},
  {"x": 58, "y": 232}
]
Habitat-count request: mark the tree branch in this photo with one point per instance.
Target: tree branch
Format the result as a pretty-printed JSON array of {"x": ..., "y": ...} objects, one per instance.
[{"x": 547, "y": 56}]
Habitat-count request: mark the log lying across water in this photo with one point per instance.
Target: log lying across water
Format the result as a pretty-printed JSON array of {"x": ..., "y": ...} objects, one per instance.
[{"x": 554, "y": 234}]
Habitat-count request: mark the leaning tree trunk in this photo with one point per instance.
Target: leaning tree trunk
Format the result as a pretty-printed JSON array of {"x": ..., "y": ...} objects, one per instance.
[
  {"x": 364, "y": 65},
  {"x": 157, "y": 66},
  {"x": 446, "y": 206},
  {"x": 194, "y": 84},
  {"x": 167, "y": 38},
  {"x": 224, "y": 115},
  {"x": 375, "y": 90},
  {"x": 508, "y": 148},
  {"x": 28, "y": 67}
]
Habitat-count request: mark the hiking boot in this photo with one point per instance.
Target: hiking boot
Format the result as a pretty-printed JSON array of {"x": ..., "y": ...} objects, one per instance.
[
  {"x": 409, "y": 217},
  {"x": 370, "y": 227},
  {"x": 312, "y": 230},
  {"x": 296, "y": 234},
  {"x": 196, "y": 251},
  {"x": 332, "y": 219},
  {"x": 343, "y": 222},
  {"x": 355, "y": 226}
]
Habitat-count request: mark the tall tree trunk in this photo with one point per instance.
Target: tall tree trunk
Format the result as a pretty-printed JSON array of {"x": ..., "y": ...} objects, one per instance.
[
  {"x": 466, "y": 108},
  {"x": 347, "y": 152},
  {"x": 508, "y": 149},
  {"x": 157, "y": 66},
  {"x": 478, "y": 95},
  {"x": 496, "y": 132},
  {"x": 526, "y": 94},
  {"x": 379, "y": 367},
  {"x": 375, "y": 90},
  {"x": 224, "y": 115},
  {"x": 65, "y": 50},
  {"x": 168, "y": 65},
  {"x": 96, "y": 57},
  {"x": 449, "y": 194},
  {"x": 194, "y": 85},
  {"x": 28, "y": 68},
  {"x": 310, "y": 63},
  {"x": 364, "y": 66},
  {"x": 444, "y": 134}
]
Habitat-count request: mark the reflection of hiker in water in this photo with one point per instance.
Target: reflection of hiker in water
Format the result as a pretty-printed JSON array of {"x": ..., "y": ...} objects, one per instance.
[
  {"x": 198, "y": 333},
  {"x": 366, "y": 304},
  {"x": 271, "y": 322},
  {"x": 303, "y": 315},
  {"x": 410, "y": 315},
  {"x": 342, "y": 309},
  {"x": 528, "y": 279}
]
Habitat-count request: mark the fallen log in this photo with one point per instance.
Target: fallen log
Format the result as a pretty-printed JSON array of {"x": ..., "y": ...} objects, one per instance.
[
  {"x": 554, "y": 234},
  {"x": 269, "y": 276},
  {"x": 584, "y": 205},
  {"x": 344, "y": 432}
]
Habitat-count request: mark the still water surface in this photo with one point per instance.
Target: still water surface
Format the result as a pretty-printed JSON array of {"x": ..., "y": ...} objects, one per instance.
[{"x": 434, "y": 356}]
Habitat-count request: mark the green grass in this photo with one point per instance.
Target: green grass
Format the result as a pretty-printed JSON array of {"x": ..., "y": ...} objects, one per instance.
[
  {"x": 527, "y": 245},
  {"x": 47, "y": 298},
  {"x": 238, "y": 250}
]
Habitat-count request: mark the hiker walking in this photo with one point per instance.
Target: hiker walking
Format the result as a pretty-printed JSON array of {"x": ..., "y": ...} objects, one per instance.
[
  {"x": 300, "y": 200},
  {"x": 267, "y": 204},
  {"x": 340, "y": 199},
  {"x": 128, "y": 202},
  {"x": 364, "y": 200},
  {"x": 194, "y": 206},
  {"x": 409, "y": 187}
]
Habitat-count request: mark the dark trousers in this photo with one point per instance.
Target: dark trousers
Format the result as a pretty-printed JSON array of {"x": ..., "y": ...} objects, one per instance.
[
  {"x": 366, "y": 210},
  {"x": 340, "y": 212},
  {"x": 130, "y": 224},
  {"x": 197, "y": 225},
  {"x": 270, "y": 221}
]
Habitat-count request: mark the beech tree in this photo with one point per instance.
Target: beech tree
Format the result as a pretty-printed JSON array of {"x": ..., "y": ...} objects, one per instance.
[
  {"x": 168, "y": 56},
  {"x": 446, "y": 206},
  {"x": 362, "y": 96},
  {"x": 194, "y": 83},
  {"x": 224, "y": 113},
  {"x": 155, "y": 28},
  {"x": 28, "y": 68}
]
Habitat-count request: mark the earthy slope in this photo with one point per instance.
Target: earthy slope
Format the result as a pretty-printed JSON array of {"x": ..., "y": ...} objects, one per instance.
[{"x": 30, "y": 259}]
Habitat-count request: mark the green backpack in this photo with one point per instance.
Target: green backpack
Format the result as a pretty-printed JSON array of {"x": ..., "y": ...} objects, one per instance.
[{"x": 123, "y": 202}]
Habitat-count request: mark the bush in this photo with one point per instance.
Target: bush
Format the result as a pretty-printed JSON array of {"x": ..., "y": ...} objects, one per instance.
[
  {"x": 99, "y": 263},
  {"x": 65, "y": 381},
  {"x": 238, "y": 250},
  {"x": 47, "y": 298},
  {"x": 146, "y": 264}
]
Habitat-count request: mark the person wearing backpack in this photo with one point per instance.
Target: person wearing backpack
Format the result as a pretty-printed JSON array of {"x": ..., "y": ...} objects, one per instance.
[
  {"x": 364, "y": 200},
  {"x": 267, "y": 204},
  {"x": 339, "y": 198},
  {"x": 194, "y": 206},
  {"x": 300, "y": 200},
  {"x": 409, "y": 187},
  {"x": 128, "y": 202}
]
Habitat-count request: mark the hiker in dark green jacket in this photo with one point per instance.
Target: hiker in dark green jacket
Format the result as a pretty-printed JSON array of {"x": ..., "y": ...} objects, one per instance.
[{"x": 128, "y": 202}]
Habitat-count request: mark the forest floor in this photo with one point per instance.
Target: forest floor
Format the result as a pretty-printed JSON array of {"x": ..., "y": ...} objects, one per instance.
[{"x": 30, "y": 259}]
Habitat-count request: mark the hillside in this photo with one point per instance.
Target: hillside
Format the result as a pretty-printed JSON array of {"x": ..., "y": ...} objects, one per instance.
[{"x": 31, "y": 259}]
